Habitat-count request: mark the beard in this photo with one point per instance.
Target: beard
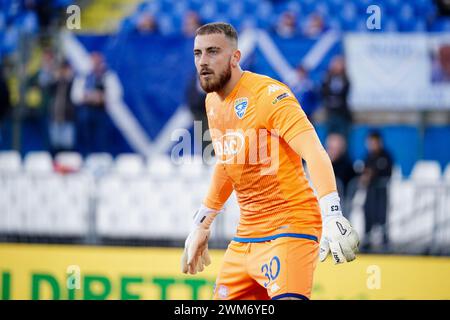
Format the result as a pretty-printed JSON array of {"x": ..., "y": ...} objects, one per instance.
[{"x": 215, "y": 83}]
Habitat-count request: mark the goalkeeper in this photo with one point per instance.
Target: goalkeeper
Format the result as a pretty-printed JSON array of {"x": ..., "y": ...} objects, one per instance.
[{"x": 276, "y": 247}]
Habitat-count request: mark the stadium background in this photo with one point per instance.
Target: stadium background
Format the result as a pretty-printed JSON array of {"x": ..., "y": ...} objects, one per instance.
[{"x": 78, "y": 218}]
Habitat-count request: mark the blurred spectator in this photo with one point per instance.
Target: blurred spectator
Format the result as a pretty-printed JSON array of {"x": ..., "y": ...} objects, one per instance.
[
  {"x": 38, "y": 96},
  {"x": 62, "y": 126},
  {"x": 335, "y": 89},
  {"x": 88, "y": 93},
  {"x": 305, "y": 91},
  {"x": 314, "y": 27},
  {"x": 46, "y": 77},
  {"x": 195, "y": 99},
  {"x": 287, "y": 25},
  {"x": 441, "y": 65},
  {"x": 146, "y": 24},
  {"x": 5, "y": 102},
  {"x": 343, "y": 168},
  {"x": 375, "y": 177},
  {"x": 191, "y": 22},
  {"x": 44, "y": 11},
  {"x": 47, "y": 71},
  {"x": 443, "y": 7}
]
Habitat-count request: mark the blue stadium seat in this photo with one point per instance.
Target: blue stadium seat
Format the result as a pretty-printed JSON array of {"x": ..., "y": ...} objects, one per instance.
[
  {"x": 236, "y": 9},
  {"x": 389, "y": 25},
  {"x": 336, "y": 5},
  {"x": 165, "y": 24},
  {"x": 441, "y": 24},
  {"x": 195, "y": 5},
  {"x": 308, "y": 6},
  {"x": 362, "y": 5},
  {"x": 248, "y": 22},
  {"x": 222, "y": 8},
  {"x": 294, "y": 7},
  {"x": 323, "y": 9},
  {"x": 392, "y": 6},
  {"x": 335, "y": 23},
  {"x": 208, "y": 11},
  {"x": 349, "y": 12},
  {"x": 420, "y": 26},
  {"x": 361, "y": 25},
  {"x": 180, "y": 8},
  {"x": 263, "y": 10},
  {"x": 424, "y": 6}
]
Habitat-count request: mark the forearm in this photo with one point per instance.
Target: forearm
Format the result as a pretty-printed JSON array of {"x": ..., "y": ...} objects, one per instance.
[
  {"x": 219, "y": 190},
  {"x": 308, "y": 146}
]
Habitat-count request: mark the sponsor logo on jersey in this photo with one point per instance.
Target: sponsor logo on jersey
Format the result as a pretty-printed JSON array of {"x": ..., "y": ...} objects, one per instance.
[
  {"x": 240, "y": 105},
  {"x": 280, "y": 97},
  {"x": 229, "y": 146}
]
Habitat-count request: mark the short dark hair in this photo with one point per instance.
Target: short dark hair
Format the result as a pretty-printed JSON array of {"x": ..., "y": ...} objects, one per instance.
[
  {"x": 375, "y": 134},
  {"x": 220, "y": 28}
]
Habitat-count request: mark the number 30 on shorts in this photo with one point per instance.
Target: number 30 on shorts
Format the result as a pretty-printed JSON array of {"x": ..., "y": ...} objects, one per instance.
[{"x": 271, "y": 270}]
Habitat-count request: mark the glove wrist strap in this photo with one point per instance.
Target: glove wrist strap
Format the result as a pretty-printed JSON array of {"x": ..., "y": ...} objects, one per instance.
[
  {"x": 204, "y": 216},
  {"x": 330, "y": 206}
]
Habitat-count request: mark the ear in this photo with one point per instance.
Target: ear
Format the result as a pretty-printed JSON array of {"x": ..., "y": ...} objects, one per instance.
[{"x": 235, "y": 58}]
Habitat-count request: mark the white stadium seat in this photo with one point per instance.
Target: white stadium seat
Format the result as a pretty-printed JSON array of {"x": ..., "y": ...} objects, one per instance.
[
  {"x": 10, "y": 162},
  {"x": 161, "y": 166},
  {"x": 129, "y": 164},
  {"x": 397, "y": 173},
  {"x": 38, "y": 162},
  {"x": 426, "y": 171},
  {"x": 69, "y": 160},
  {"x": 446, "y": 175},
  {"x": 98, "y": 164},
  {"x": 192, "y": 168}
]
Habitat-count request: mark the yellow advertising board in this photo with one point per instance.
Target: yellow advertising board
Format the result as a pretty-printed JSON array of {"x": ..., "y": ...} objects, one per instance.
[{"x": 86, "y": 272}]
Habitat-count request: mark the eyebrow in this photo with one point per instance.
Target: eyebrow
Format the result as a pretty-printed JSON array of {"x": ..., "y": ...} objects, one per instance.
[{"x": 207, "y": 49}]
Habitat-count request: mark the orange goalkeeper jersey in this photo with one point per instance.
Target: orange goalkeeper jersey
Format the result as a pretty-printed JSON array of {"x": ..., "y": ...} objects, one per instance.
[{"x": 250, "y": 131}]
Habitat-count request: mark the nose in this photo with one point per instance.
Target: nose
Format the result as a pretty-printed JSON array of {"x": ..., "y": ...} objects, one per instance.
[{"x": 203, "y": 60}]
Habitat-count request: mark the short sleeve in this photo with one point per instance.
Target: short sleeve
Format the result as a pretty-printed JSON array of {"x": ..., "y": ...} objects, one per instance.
[{"x": 279, "y": 110}]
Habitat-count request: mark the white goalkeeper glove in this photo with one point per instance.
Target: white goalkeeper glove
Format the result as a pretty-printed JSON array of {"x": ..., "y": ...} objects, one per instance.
[
  {"x": 338, "y": 236},
  {"x": 196, "y": 256}
]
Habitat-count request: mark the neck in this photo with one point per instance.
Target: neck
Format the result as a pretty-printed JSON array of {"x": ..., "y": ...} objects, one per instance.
[{"x": 226, "y": 90}]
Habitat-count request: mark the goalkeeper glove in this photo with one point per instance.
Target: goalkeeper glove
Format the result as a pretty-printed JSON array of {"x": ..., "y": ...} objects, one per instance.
[
  {"x": 195, "y": 256},
  {"x": 338, "y": 236}
]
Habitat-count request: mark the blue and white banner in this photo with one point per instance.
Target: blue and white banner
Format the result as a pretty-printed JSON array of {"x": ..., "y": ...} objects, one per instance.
[{"x": 391, "y": 71}]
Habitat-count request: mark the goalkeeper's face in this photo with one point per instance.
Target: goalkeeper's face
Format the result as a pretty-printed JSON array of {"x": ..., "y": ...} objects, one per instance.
[{"x": 214, "y": 56}]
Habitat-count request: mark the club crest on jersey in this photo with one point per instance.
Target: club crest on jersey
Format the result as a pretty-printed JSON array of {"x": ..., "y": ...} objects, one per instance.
[{"x": 240, "y": 105}]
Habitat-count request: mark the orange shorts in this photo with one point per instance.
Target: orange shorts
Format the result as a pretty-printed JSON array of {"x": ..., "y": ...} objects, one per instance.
[{"x": 274, "y": 269}]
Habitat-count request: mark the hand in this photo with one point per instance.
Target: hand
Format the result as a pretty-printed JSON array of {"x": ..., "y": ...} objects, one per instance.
[
  {"x": 340, "y": 238},
  {"x": 196, "y": 256}
]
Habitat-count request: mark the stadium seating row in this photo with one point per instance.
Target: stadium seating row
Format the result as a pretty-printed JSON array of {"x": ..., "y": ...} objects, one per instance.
[
  {"x": 126, "y": 198},
  {"x": 397, "y": 15},
  {"x": 132, "y": 164}
]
